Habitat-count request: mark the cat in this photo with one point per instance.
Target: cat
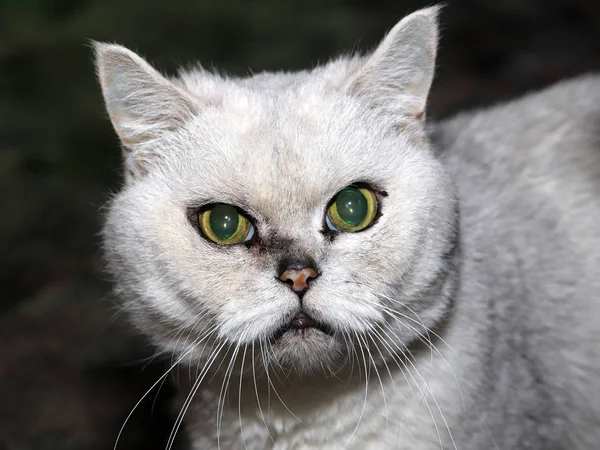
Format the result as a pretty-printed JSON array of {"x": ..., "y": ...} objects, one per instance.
[{"x": 332, "y": 271}]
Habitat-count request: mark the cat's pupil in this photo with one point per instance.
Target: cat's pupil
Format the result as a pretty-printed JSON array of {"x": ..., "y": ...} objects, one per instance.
[
  {"x": 224, "y": 221},
  {"x": 351, "y": 206}
]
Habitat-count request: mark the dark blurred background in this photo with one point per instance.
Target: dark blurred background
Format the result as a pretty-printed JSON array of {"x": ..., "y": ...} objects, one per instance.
[{"x": 70, "y": 368}]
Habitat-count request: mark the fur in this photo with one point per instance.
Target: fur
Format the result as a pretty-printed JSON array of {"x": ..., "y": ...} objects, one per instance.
[{"x": 465, "y": 317}]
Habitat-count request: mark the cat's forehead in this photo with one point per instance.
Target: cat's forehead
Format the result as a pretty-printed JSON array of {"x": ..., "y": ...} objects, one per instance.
[{"x": 289, "y": 148}]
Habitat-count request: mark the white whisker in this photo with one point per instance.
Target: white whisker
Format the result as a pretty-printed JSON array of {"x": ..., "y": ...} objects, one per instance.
[
  {"x": 378, "y": 376},
  {"x": 425, "y": 398},
  {"x": 212, "y": 357},
  {"x": 366, "y": 391},
  {"x": 240, "y": 397},
  {"x": 223, "y": 392},
  {"x": 184, "y": 355},
  {"x": 257, "y": 397},
  {"x": 270, "y": 382}
]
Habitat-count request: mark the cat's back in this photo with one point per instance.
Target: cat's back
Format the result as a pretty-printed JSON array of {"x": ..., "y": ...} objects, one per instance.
[
  {"x": 531, "y": 162},
  {"x": 528, "y": 177},
  {"x": 549, "y": 136}
]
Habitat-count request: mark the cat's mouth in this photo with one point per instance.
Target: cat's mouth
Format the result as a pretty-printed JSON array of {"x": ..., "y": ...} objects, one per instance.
[{"x": 300, "y": 324}]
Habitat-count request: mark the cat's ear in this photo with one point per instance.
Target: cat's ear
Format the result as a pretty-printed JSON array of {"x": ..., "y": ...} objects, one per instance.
[
  {"x": 398, "y": 74},
  {"x": 141, "y": 103}
]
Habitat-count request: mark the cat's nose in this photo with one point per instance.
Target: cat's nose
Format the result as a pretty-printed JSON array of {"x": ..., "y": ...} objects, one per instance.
[{"x": 297, "y": 277}]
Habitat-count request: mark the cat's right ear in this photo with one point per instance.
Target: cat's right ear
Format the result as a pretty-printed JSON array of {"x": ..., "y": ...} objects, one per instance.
[
  {"x": 142, "y": 104},
  {"x": 397, "y": 76}
]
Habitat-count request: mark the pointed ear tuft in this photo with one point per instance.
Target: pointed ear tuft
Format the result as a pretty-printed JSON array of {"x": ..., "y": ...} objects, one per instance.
[
  {"x": 141, "y": 103},
  {"x": 398, "y": 74}
]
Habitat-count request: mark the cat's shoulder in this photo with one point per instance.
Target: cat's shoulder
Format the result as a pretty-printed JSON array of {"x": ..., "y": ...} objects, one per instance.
[
  {"x": 546, "y": 133},
  {"x": 560, "y": 108}
]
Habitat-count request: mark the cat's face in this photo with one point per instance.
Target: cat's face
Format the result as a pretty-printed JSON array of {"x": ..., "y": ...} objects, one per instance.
[{"x": 279, "y": 149}]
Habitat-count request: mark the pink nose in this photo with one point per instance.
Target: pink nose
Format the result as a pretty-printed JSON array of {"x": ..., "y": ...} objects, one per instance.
[{"x": 299, "y": 278}]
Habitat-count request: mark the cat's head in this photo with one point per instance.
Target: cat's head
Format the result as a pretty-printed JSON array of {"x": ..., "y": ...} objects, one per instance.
[{"x": 300, "y": 213}]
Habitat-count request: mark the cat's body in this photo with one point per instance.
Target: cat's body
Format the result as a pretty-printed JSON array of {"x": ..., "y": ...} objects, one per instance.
[
  {"x": 528, "y": 175},
  {"x": 468, "y": 299}
]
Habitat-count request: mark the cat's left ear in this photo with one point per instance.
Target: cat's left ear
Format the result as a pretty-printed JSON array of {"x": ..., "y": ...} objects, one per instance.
[{"x": 397, "y": 76}]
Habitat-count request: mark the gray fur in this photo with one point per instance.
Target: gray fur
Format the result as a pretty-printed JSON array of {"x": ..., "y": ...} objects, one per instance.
[
  {"x": 528, "y": 174},
  {"x": 465, "y": 317}
]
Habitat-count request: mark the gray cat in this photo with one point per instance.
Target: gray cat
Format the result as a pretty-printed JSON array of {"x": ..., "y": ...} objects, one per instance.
[{"x": 333, "y": 273}]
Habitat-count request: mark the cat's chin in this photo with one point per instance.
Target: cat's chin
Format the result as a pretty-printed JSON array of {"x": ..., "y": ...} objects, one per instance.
[{"x": 305, "y": 350}]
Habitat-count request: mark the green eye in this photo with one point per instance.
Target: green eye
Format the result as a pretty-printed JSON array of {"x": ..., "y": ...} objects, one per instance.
[
  {"x": 223, "y": 224},
  {"x": 353, "y": 209}
]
